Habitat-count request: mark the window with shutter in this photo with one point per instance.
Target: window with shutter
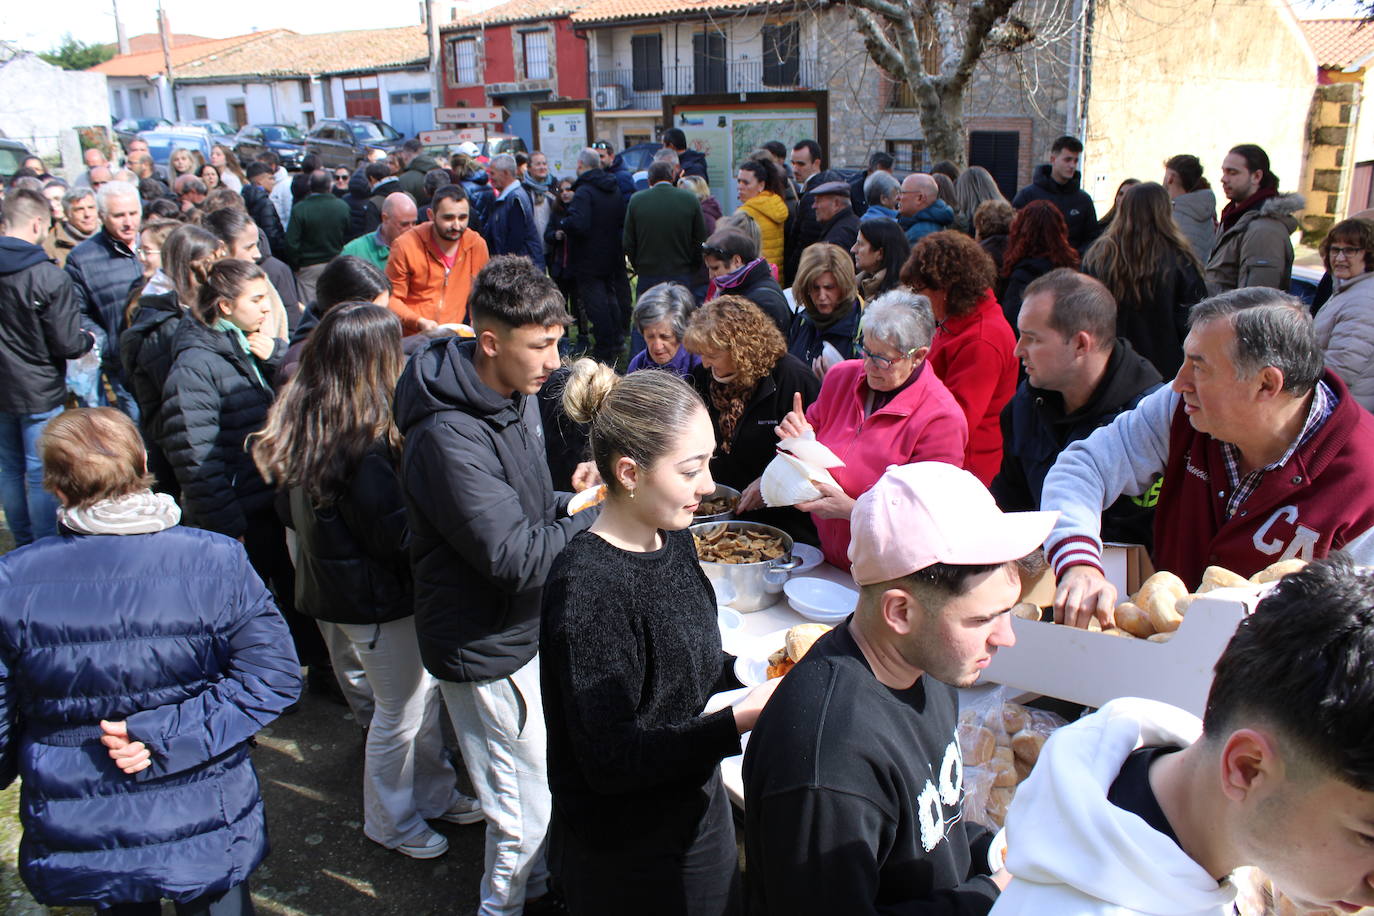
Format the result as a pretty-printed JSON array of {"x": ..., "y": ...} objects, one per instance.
[
  {"x": 536, "y": 47},
  {"x": 708, "y": 62},
  {"x": 781, "y": 54},
  {"x": 647, "y": 60},
  {"x": 908, "y": 155},
  {"x": 465, "y": 62},
  {"x": 998, "y": 152}
]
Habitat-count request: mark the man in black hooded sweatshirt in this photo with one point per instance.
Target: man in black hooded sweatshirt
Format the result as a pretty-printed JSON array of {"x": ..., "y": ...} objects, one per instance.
[
  {"x": 486, "y": 526},
  {"x": 1058, "y": 181}
]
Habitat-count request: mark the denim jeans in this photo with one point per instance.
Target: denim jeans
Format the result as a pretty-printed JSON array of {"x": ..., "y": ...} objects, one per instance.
[{"x": 30, "y": 510}]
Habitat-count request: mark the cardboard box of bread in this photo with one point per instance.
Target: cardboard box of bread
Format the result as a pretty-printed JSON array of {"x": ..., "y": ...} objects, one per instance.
[{"x": 1171, "y": 641}]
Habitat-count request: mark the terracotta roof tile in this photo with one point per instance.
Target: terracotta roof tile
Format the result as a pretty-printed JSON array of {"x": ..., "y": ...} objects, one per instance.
[
  {"x": 148, "y": 63},
  {"x": 1339, "y": 43},
  {"x": 290, "y": 54},
  {"x": 625, "y": 10},
  {"x": 516, "y": 11},
  {"x": 150, "y": 41}
]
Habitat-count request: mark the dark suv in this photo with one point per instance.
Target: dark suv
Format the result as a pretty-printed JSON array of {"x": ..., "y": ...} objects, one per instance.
[
  {"x": 348, "y": 141},
  {"x": 285, "y": 140}
]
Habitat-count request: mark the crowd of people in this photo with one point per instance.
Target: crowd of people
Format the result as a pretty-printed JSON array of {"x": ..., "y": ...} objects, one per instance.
[{"x": 340, "y": 421}]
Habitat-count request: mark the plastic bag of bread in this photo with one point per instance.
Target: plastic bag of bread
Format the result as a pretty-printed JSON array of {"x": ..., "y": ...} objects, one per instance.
[
  {"x": 981, "y": 729},
  {"x": 978, "y": 786}
]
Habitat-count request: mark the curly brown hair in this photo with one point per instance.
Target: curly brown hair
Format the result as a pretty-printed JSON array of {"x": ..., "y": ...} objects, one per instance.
[
  {"x": 953, "y": 263},
  {"x": 1039, "y": 231},
  {"x": 736, "y": 326}
]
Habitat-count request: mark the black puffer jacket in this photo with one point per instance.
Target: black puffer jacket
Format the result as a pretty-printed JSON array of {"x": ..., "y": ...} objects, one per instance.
[
  {"x": 595, "y": 221},
  {"x": 486, "y": 524},
  {"x": 353, "y": 555},
  {"x": 145, "y": 349},
  {"x": 1025, "y": 272},
  {"x": 759, "y": 287},
  {"x": 260, "y": 208},
  {"x": 212, "y": 401},
  {"x": 40, "y": 329}
]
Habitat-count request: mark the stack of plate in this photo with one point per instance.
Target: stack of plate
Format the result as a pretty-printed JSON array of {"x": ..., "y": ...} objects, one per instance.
[{"x": 820, "y": 599}]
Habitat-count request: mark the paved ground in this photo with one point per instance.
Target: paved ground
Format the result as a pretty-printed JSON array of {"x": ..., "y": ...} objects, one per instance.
[{"x": 310, "y": 765}]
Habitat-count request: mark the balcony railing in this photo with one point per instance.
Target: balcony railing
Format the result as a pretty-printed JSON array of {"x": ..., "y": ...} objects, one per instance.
[{"x": 624, "y": 87}]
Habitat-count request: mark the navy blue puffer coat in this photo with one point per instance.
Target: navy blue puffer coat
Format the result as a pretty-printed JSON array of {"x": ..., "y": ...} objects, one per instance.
[{"x": 174, "y": 633}]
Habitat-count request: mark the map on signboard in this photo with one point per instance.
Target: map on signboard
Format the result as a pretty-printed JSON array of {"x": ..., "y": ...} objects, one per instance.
[
  {"x": 751, "y": 133},
  {"x": 562, "y": 135}
]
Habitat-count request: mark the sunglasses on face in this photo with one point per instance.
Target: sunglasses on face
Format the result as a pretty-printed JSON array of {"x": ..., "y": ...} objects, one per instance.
[{"x": 340, "y": 176}]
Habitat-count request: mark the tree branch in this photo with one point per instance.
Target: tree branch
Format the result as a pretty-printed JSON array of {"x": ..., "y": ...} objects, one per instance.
[
  {"x": 883, "y": 52},
  {"x": 983, "y": 15}
]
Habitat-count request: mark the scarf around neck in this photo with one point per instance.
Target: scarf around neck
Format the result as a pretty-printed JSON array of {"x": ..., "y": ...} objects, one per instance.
[
  {"x": 728, "y": 398},
  {"x": 734, "y": 277},
  {"x": 144, "y": 512},
  {"x": 1233, "y": 211},
  {"x": 224, "y": 324}
]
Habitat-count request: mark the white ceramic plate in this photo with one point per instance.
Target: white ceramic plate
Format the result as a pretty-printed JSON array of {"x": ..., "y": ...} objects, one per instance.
[
  {"x": 820, "y": 599},
  {"x": 997, "y": 852},
  {"x": 728, "y": 619},
  {"x": 810, "y": 557},
  {"x": 751, "y": 671}
]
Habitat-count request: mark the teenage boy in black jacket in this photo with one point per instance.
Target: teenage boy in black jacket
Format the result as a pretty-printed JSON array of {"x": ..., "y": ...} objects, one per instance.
[
  {"x": 486, "y": 526},
  {"x": 853, "y": 780}
]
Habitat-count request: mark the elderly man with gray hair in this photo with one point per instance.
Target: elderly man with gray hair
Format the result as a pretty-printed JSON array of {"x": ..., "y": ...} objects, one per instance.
[
  {"x": 880, "y": 192},
  {"x": 660, "y": 317},
  {"x": 511, "y": 229},
  {"x": 104, "y": 269},
  {"x": 1264, "y": 455},
  {"x": 80, "y": 222}
]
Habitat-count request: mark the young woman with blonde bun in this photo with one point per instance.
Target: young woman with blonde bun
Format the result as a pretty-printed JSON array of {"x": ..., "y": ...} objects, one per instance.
[{"x": 630, "y": 652}]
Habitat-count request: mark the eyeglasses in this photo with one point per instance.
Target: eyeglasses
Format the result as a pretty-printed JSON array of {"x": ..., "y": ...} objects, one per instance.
[
  {"x": 340, "y": 176},
  {"x": 602, "y": 145},
  {"x": 1340, "y": 251},
  {"x": 713, "y": 252},
  {"x": 884, "y": 362}
]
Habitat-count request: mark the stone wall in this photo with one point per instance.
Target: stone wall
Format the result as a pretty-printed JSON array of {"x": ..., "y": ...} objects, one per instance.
[
  {"x": 41, "y": 101},
  {"x": 1026, "y": 92},
  {"x": 1331, "y": 123}
]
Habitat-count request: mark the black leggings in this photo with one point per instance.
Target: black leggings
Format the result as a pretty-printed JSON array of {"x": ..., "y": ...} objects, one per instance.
[{"x": 237, "y": 901}]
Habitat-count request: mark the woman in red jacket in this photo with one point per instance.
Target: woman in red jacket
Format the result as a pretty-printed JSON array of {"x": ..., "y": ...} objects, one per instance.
[
  {"x": 972, "y": 351},
  {"x": 887, "y": 407}
]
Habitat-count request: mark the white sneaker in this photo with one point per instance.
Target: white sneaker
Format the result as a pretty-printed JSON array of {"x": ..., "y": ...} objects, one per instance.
[
  {"x": 429, "y": 845},
  {"x": 467, "y": 810}
]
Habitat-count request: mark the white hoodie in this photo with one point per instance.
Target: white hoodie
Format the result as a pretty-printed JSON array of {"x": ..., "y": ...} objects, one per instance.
[{"x": 1074, "y": 853}]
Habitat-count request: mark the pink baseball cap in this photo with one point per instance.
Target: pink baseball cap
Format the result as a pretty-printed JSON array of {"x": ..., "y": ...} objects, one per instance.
[{"x": 931, "y": 512}]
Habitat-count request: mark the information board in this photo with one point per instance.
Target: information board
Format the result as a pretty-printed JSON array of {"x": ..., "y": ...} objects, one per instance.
[{"x": 562, "y": 130}]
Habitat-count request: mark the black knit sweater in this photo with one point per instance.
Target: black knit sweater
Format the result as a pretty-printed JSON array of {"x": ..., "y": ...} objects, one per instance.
[{"x": 629, "y": 654}]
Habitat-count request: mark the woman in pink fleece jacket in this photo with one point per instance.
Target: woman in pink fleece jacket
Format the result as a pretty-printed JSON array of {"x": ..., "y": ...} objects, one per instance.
[{"x": 887, "y": 407}]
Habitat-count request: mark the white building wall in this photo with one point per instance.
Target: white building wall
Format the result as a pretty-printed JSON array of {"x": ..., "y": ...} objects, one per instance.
[{"x": 41, "y": 101}]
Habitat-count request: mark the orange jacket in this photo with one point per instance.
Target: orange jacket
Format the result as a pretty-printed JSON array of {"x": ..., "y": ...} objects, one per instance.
[{"x": 422, "y": 288}]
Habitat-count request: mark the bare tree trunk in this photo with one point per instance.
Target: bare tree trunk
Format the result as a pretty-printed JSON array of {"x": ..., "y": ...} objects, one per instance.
[{"x": 898, "y": 35}]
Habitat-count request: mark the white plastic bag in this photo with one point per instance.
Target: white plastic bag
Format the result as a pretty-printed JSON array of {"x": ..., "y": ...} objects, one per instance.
[{"x": 83, "y": 373}]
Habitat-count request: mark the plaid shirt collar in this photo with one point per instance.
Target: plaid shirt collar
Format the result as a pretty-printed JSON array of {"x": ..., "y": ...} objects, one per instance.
[{"x": 1323, "y": 403}]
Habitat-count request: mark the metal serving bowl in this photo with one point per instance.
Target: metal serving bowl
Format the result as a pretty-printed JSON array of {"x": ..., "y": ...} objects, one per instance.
[
  {"x": 720, "y": 490},
  {"x": 756, "y": 585}
]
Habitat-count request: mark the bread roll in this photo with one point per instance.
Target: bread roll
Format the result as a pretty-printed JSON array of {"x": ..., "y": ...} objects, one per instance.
[
  {"x": 1161, "y": 637},
  {"x": 1161, "y": 583},
  {"x": 1027, "y": 610},
  {"x": 1164, "y": 618},
  {"x": 1023, "y": 769},
  {"x": 1004, "y": 768},
  {"x": 1094, "y": 625},
  {"x": 1219, "y": 577},
  {"x": 1026, "y": 746},
  {"x": 1133, "y": 620},
  {"x": 1014, "y": 717},
  {"x": 999, "y": 799},
  {"x": 977, "y": 744},
  {"x": 1118, "y": 632},
  {"x": 1182, "y": 604},
  {"x": 802, "y": 637},
  {"x": 1276, "y": 571}
]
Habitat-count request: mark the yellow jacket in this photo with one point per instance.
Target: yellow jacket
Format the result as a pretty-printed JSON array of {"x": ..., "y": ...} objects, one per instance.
[{"x": 770, "y": 212}]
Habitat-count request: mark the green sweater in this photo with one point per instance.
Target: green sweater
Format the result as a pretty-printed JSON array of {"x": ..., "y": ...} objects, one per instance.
[
  {"x": 369, "y": 248},
  {"x": 664, "y": 230},
  {"x": 318, "y": 230}
]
